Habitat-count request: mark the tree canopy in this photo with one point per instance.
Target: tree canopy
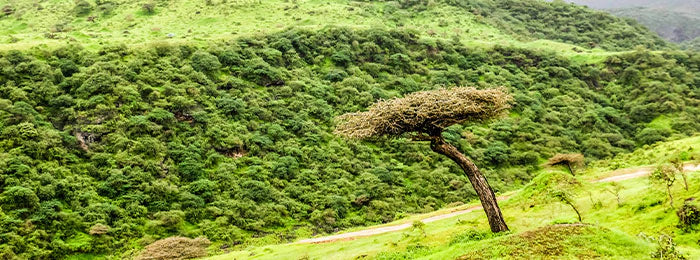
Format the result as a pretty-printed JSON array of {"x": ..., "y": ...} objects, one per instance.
[
  {"x": 425, "y": 111},
  {"x": 570, "y": 160}
]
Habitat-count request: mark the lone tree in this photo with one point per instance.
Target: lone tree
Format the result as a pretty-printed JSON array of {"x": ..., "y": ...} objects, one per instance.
[
  {"x": 423, "y": 116},
  {"x": 678, "y": 164},
  {"x": 570, "y": 160},
  {"x": 567, "y": 198},
  {"x": 665, "y": 174}
]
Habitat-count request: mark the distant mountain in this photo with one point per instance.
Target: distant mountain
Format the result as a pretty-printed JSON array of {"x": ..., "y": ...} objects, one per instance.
[
  {"x": 683, "y": 6},
  {"x": 675, "y": 20},
  {"x": 672, "y": 25}
]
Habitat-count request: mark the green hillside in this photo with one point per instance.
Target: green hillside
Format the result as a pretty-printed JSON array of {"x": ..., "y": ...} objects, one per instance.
[
  {"x": 105, "y": 22},
  {"x": 114, "y": 134},
  {"x": 542, "y": 228}
]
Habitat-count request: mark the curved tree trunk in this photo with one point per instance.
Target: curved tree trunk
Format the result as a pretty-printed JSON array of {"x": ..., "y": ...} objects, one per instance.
[
  {"x": 570, "y": 169},
  {"x": 481, "y": 186}
]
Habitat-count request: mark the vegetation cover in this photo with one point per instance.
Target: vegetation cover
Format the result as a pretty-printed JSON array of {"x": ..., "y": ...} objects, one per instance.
[
  {"x": 96, "y": 23},
  {"x": 235, "y": 140},
  {"x": 425, "y": 115},
  {"x": 637, "y": 222},
  {"x": 106, "y": 150}
]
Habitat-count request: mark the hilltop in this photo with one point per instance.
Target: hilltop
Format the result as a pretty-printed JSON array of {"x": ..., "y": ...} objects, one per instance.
[{"x": 524, "y": 23}]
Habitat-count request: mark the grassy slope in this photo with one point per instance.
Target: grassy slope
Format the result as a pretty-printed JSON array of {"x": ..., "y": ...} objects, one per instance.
[
  {"x": 644, "y": 209},
  {"x": 219, "y": 21}
]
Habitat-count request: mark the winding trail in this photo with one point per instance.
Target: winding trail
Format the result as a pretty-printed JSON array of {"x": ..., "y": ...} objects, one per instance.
[
  {"x": 618, "y": 175},
  {"x": 640, "y": 172}
]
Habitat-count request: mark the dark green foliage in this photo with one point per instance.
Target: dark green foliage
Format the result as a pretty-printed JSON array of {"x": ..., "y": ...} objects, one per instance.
[
  {"x": 652, "y": 135},
  {"x": 82, "y": 8},
  {"x": 473, "y": 235},
  {"x": 148, "y": 8},
  {"x": 205, "y": 62},
  {"x": 235, "y": 142},
  {"x": 19, "y": 198},
  {"x": 689, "y": 215}
]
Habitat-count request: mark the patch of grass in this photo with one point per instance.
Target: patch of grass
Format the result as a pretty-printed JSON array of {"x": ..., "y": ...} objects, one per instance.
[
  {"x": 661, "y": 122},
  {"x": 473, "y": 235},
  {"x": 85, "y": 257},
  {"x": 559, "y": 241},
  {"x": 127, "y": 23},
  {"x": 687, "y": 148}
]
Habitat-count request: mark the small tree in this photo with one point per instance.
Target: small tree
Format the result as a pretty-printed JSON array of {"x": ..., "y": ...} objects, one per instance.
[
  {"x": 570, "y": 160},
  {"x": 678, "y": 165},
  {"x": 665, "y": 174},
  {"x": 615, "y": 189},
  {"x": 420, "y": 226},
  {"x": 424, "y": 115},
  {"x": 567, "y": 198}
]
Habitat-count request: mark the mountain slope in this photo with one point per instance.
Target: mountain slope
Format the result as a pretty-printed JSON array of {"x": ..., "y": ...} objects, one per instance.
[
  {"x": 111, "y": 140},
  {"x": 234, "y": 141},
  {"x": 489, "y": 22}
]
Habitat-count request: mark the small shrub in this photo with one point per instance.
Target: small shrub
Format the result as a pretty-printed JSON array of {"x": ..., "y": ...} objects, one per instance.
[
  {"x": 8, "y": 10},
  {"x": 472, "y": 235},
  {"x": 689, "y": 215},
  {"x": 205, "y": 62},
  {"x": 148, "y": 8},
  {"x": 175, "y": 248},
  {"x": 666, "y": 248},
  {"x": 82, "y": 8},
  {"x": 170, "y": 220}
]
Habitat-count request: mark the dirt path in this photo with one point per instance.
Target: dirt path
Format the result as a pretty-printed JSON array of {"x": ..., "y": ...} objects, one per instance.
[
  {"x": 620, "y": 175},
  {"x": 639, "y": 172}
]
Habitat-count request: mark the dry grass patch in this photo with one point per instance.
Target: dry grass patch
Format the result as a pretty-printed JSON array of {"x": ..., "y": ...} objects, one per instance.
[{"x": 175, "y": 248}]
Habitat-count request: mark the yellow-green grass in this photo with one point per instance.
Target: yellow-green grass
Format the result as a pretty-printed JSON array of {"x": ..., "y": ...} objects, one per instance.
[
  {"x": 625, "y": 223},
  {"x": 644, "y": 209},
  {"x": 688, "y": 149},
  {"x": 195, "y": 22}
]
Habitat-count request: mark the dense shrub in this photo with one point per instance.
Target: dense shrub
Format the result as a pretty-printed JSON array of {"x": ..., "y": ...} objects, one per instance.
[{"x": 689, "y": 215}]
